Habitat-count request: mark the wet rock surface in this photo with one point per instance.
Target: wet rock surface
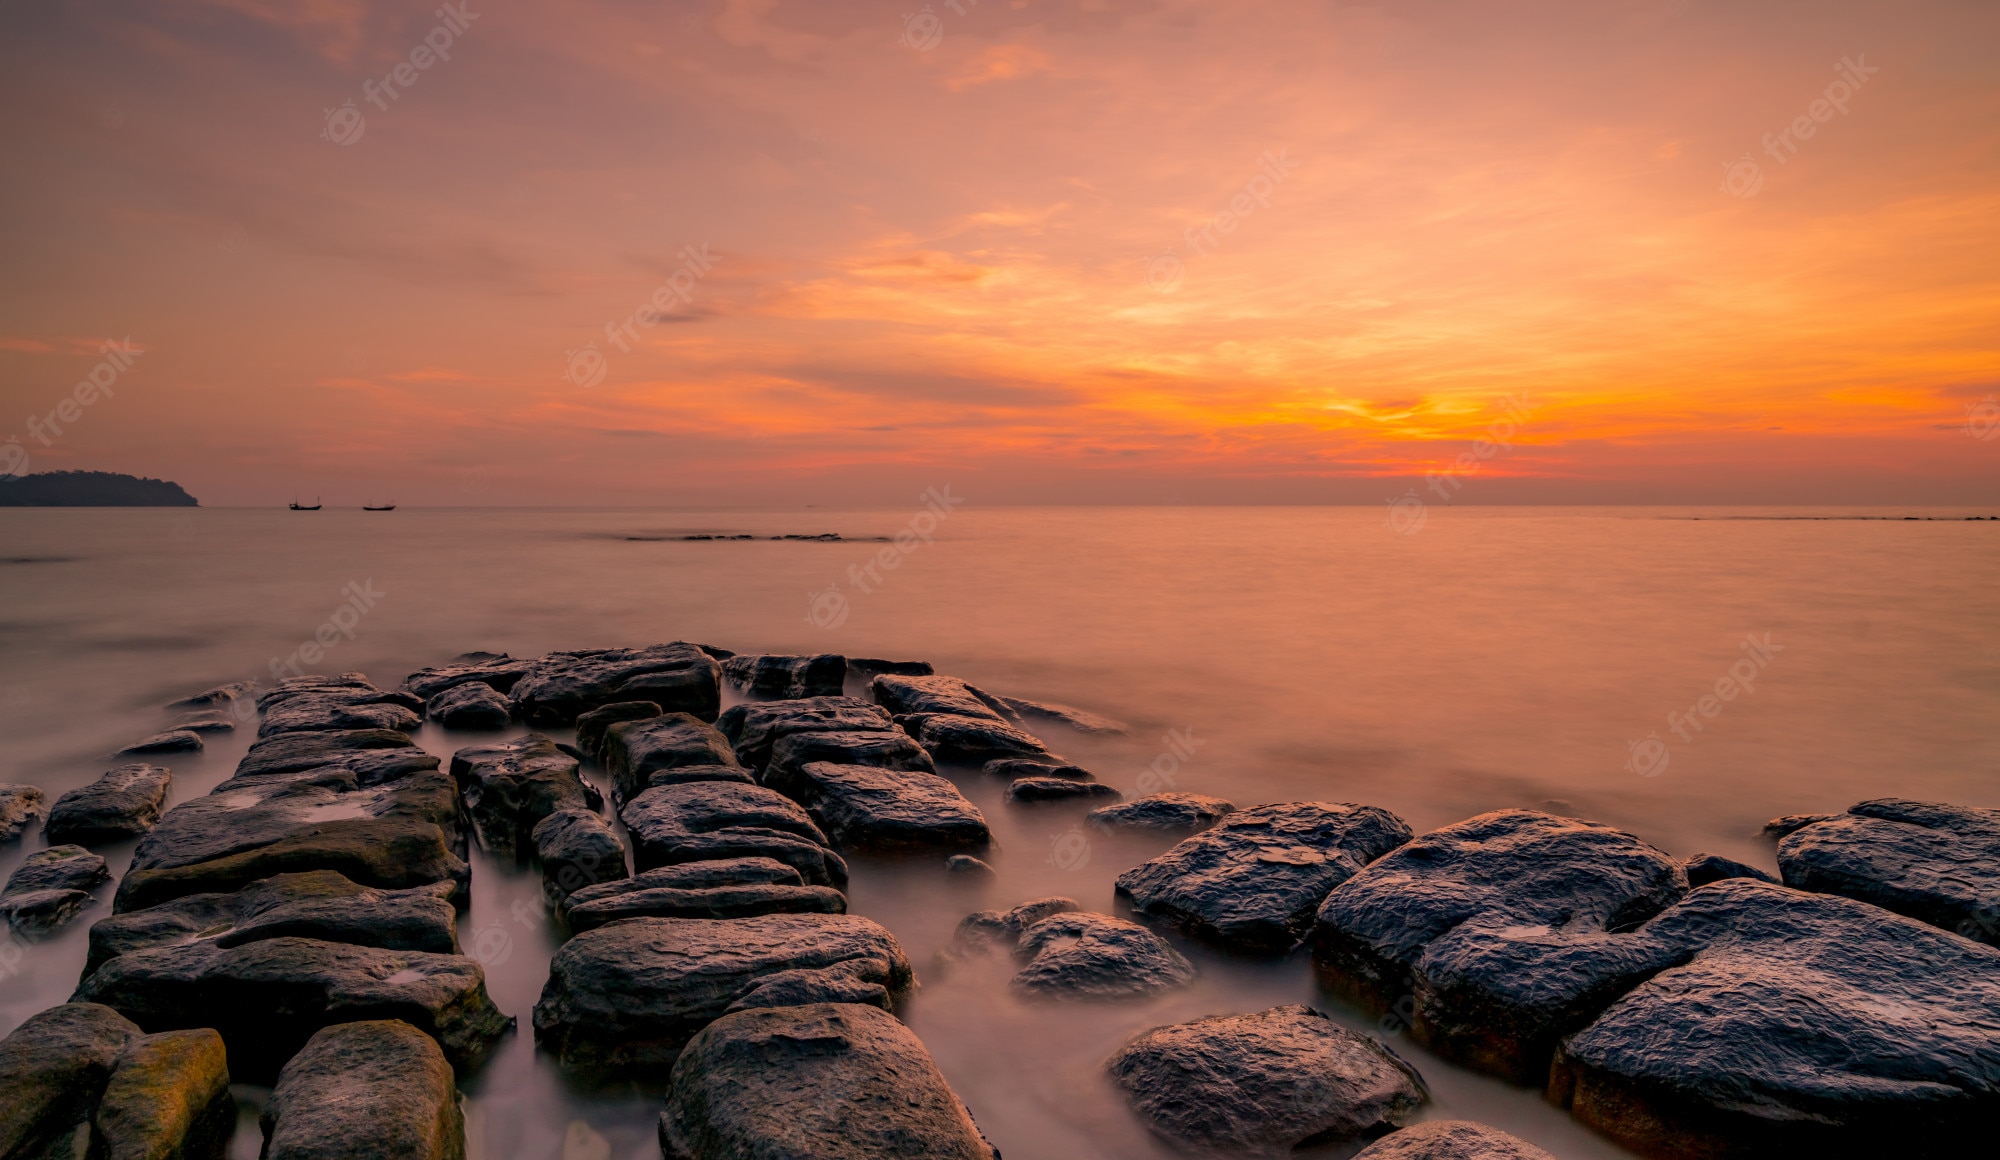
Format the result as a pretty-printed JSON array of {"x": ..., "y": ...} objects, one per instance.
[
  {"x": 830, "y": 1081},
  {"x": 784, "y": 677},
  {"x": 924, "y": 696},
  {"x": 868, "y": 668},
  {"x": 268, "y": 997},
  {"x": 1451, "y": 1140},
  {"x": 1188, "y": 813},
  {"x": 887, "y": 749},
  {"x": 1012, "y": 768},
  {"x": 123, "y": 803},
  {"x": 168, "y": 1099},
  {"x": 1033, "y": 790},
  {"x": 678, "y": 677},
  {"x": 967, "y": 866},
  {"x": 889, "y": 810},
  {"x": 1496, "y": 929},
  {"x": 1702, "y": 869},
  {"x": 591, "y": 726},
  {"x": 718, "y": 902},
  {"x": 1081, "y": 720},
  {"x": 704, "y": 820},
  {"x": 1933, "y": 862},
  {"x": 171, "y": 741},
  {"x": 972, "y": 740},
  {"x": 50, "y": 887},
  {"x": 223, "y": 698},
  {"x": 756, "y": 727},
  {"x": 1253, "y": 882},
  {"x": 577, "y": 849},
  {"x": 508, "y": 789},
  {"x": 21, "y": 806},
  {"x": 53, "y": 1069},
  {"x": 1264, "y": 1084},
  {"x": 631, "y": 994},
  {"x": 348, "y": 701},
  {"x": 390, "y": 854},
  {"x": 496, "y": 671},
  {"x": 469, "y": 706},
  {"x": 1095, "y": 956},
  {"x": 635, "y": 750},
  {"x": 364, "y": 1090}
]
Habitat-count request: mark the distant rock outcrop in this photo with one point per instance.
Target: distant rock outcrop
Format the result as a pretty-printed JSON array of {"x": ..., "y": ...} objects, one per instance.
[{"x": 90, "y": 489}]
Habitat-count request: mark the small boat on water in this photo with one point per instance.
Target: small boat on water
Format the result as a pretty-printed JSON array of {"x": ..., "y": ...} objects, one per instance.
[
  {"x": 306, "y": 507},
  {"x": 381, "y": 507}
]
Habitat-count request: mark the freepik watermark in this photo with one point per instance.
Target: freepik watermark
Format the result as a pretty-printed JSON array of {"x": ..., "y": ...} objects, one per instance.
[
  {"x": 47, "y": 428},
  {"x": 362, "y": 596},
  {"x": 1162, "y": 773},
  {"x": 587, "y": 365},
  {"x": 1744, "y": 177},
  {"x": 1982, "y": 419},
  {"x": 345, "y": 123},
  {"x": 1649, "y": 756},
  {"x": 828, "y": 608},
  {"x": 1165, "y": 269},
  {"x": 924, "y": 30},
  {"x": 1408, "y": 511}
]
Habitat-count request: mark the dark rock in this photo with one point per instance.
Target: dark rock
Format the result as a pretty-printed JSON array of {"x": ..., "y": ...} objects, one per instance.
[
  {"x": 469, "y": 706},
  {"x": 971, "y": 740},
  {"x": 346, "y": 702},
  {"x": 711, "y": 902},
  {"x": 629, "y": 995},
  {"x": 885, "y": 749},
  {"x": 1702, "y": 869},
  {"x": 20, "y": 807},
  {"x": 720, "y": 872},
  {"x": 372, "y": 755},
  {"x": 967, "y": 866},
  {"x": 986, "y": 929},
  {"x": 1081, "y": 720},
  {"x": 1264, "y": 1084},
  {"x": 1451, "y": 1140},
  {"x": 172, "y": 741},
  {"x": 1019, "y": 767},
  {"x": 318, "y": 904},
  {"x": 509, "y": 788},
  {"x": 168, "y": 1100},
  {"x": 208, "y": 723},
  {"x": 388, "y": 853},
  {"x": 1095, "y": 956},
  {"x": 868, "y": 668},
  {"x": 1183, "y": 812},
  {"x": 577, "y": 849},
  {"x": 50, "y": 887},
  {"x": 678, "y": 677},
  {"x": 889, "y": 810},
  {"x": 365, "y": 1090},
  {"x": 1252, "y": 883},
  {"x": 123, "y": 803},
  {"x": 1033, "y": 790},
  {"x": 1778, "y": 827},
  {"x": 591, "y": 726},
  {"x": 1495, "y": 928},
  {"x": 269, "y": 997},
  {"x": 634, "y": 750},
  {"x": 224, "y": 697},
  {"x": 496, "y": 671},
  {"x": 787, "y": 676},
  {"x": 703, "y": 820},
  {"x": 756, "y": 727},
  {"x": 928, "y": 696},
  {"x": 829, "y": 1081},
  {"x": 1793, "y": 1024},
  {"x": 1933, "y": 862},
  {"x": 53, "y": 1069}
]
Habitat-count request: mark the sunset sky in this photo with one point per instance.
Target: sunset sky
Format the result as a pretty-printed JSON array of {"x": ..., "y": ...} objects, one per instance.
[{"x": 966, "y": 244}]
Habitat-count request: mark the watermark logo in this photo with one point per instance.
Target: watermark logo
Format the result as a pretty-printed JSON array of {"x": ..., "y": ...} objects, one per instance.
[
  {"x": 1743, "y": 177},
  {"x": 1163, "y": 772},
  {"x": 1069, "y": 850},
  {"x": 362, "y": 596},
  {"x": 922, "y": 31},
  {"x": 1648, "y": 757},
  {"x": 13, "y": 458},
  {"x": 344, "y": 124},
  {"x": 1165, "y": 270},
  {"x": 46, "y": 429},
  {"x": 1982, "y": 419},
  {"x": 1407, "y": 513},
  {"x": 491, "y": 946},
  {"x": 586, "y": 366},
  {"x": 827, "y": 608}
]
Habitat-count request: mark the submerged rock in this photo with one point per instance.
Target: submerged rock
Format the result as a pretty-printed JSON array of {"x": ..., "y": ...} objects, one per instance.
[
  {"x": 1252, "y": 883},
  {"x": 1179, "y": 812},
  {"x": 967, "y": 866},
  {"x": 1012, "y": 768},
  {"x": 346, "y": 702},
  {"x": 318, "y": 904},
  {"x": 829, "y": 1081},
  {"x": 1031, "y": 790},
  {"x": 53, "y": 1069},
  {"x": 1495, "y": 931},
  {"x": 885, "y": 749},
  {"x": 171, "y": 741},
  {"x": 702, "y": 820},
  {"x": 889, "y": 810},
  {"x": 678, "y": 677},
  {"x": 1702, "y": 869},
  {"x": 168, "y": 1099},
  {"x": 20, "y": 807},
  {"x": 373, "y": 1089},
  {"x": 50, "y": 887},
  {"x": 221, "y": 697},
  {"x": 1095, "y": 956},
  {"x": 469, "y": 706},
  {"x": 208, "y": 723},
  {"x": 787, "y": 676},
  {"x": 1081, "y": 720},
  {"x": 577, "y": 849},
  {"x": 988, "y": 929},
  {"x": 591, "y": 726},
  {"x": 1264, "y": 1084},
  {"x": 629, "y": 995},
  {"x": 635, "y": 750},
  {"x": 868, "y": 668},
  {"x": 1451, "y": 1140},
  {"x": 931, "y": 695},
  {"x": 124, "y": 803},
  {"x": 756, "y": 727},
  {"x": 496, "y": 671},
  {"x": 1933, "y": 862},
  {"x": 508, "y": 789},
  {"x": 269, "y": 997}
]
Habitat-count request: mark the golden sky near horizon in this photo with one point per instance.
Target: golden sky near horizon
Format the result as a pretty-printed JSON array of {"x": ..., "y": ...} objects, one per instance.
[{"x": 1051, "y": 250}]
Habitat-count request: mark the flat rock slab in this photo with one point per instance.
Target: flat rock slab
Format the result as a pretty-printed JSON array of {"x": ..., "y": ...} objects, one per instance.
[
  {"x": 829, "y": 1081},
  {"x": 497, "y": 671},
  {"x": 387, "y": 853},
  {"x": 1793, "y": 1024},
  {"x": 756, "y": 727},
  {"x": 371, "y": 755},
  {"x": 508, "y": 789},
  {"x": 469, "y": 706},
  {"x": 1014, "y": 768},
  {"x": 631, "y": 994},
  {"x": 124, "y": 803},
  {"x": 1264, "y": 1084},
  {"x": 1059, "y": 791},
  {"x": 20, "y": 807},
  {"x": 705, "y": 820},
  {"x": 1934, "y": 862},
  {"x": 591, "y": 726},
  {"x": 1253, "y": 882},
  {"x": 634, "y": 750},
  {"x": 933, "y": 695},
  {"x": 171, "y": 741},
  {"x": 318, "y": 904},
  {"x": 972, "y": 740},
  {"x": 366, "y": 1090},
  {"x": 1451, "y": 1140},
  {"x": 1479, "y": 932},
  {"x": 577, "y": 849},
  {"x": 348, "y": 701},
  {"x": 890, "y": 810},
  {"x": 168, "y": 1099},
  {"x": 1095, "y": 956},
  {"x": 705, "y": 902},
  {"x": 267, "y": 998},
  {"x": 1702, "y": 869},
  {"x": 560, "y": 687},
  {"x": 787, "y": 676},
  {"x": 53, "y": 1069},
  {"x": 886, "y": 749},
  {"x": 221, "y": 697},
  {"x": 50, "y": 887},
  {"x": 1187, "y": 813}
]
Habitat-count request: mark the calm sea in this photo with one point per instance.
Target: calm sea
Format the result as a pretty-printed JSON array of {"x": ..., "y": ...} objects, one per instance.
[{"x": 1487, "y": 658}]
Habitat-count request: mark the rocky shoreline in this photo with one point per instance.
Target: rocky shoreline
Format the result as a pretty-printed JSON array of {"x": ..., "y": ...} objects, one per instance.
[{"x": 298, "y": 927}]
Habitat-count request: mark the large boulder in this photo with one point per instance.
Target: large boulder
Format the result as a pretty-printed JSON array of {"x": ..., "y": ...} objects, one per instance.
[
  {"x": 317, "y": 904},
  {"x": 1478, "y": 933},
  {"x": 1264, "y": 1084},
  {"x": 1184, "y": 813},
  {"x": 577, "y": 849},
  {"x": 509, "y": 788},
  {"x": 1059, "y": 791},
  {"x": 171, "y": 741},
  {"x": 53, "y": 1069},
  {"x": 469, "y": 706},
  {"x": 387, "y": 853},
  {"x": 831, "y": 1081},
  {"x": 20, "y": 807},
  {"x": 345, "y": 702},
  {"x": 697, "y": 821},
  {"x": 678, "y": 677},
  {"x": 1793, "y": 1024},
  {"x": 630, "y": 994},
  {"x": 1252, "y": 883},
  {"x": 1094, "y": 956},
  {"x": 124, "y": 803},
  {"x": 887, "y": 749},
  {"x": 889, "y": 810},
  {"x": 1451, "y": 1140},
  {"x": 268, "y": 997},
  {"x": 635, "y": 750},
  {"x": 787, "y": 677},
  {"x": 365, "y": 1090},
  {"x": 168, "y": 1099},
  {"x": 50, "y": 887},
  {"x": 372, "y": 756},
  {"x": 1704, "y": 868},
  {"x": 497, "y": 671},
  {"x": 592, "y": 726},
  {"x": 756, "y": 727},
  {"x": 1934, "y": 862},
  {"x": 661, "y": 894}
]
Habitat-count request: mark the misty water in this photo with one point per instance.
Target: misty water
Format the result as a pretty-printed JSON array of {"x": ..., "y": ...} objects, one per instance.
[{"x": 1490, "y": 658}]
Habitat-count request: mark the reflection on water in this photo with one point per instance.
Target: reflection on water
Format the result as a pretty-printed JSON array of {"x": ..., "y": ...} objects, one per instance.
[{"x": 1494, "y": 658}]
